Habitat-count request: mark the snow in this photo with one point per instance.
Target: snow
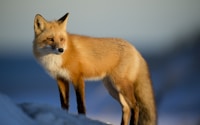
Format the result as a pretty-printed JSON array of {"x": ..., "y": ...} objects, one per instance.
[
  {"x": 38, "y": 114},
  {"x": 43, "y": 114},
  {"x": 11, "y": 114}
]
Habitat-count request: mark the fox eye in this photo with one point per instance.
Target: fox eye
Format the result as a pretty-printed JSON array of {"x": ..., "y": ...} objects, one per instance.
[
  {"x": 50, "y": 39},
  {"x": 61, "y": 39}
]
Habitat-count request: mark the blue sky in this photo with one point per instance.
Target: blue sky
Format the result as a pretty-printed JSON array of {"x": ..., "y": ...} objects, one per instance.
[{"x": 148, "y": 24}]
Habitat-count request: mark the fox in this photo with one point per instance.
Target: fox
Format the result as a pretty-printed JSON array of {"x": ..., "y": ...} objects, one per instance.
[{"x": 72, "y": 59}]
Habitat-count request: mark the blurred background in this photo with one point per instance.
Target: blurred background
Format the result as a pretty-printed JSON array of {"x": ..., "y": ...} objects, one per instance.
[{"x": 166, "y": 32}]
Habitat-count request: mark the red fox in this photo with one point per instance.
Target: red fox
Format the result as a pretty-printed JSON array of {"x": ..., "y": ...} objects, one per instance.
[{"x": 74, "y": 58}]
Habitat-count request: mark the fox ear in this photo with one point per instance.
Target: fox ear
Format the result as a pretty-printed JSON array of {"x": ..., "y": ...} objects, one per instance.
[
  {"x": 39, "y": 24},
  {"x": 63, "y": 20}
]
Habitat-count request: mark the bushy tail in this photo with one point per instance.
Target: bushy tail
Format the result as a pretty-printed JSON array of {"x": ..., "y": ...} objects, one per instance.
[
  {"x": 146, "y": 116},
  {"x": 144, "y": 96},
  {"x": 146, "y": 103}
]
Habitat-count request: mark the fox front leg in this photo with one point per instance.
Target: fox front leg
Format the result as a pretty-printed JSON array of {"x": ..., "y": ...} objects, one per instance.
[
  {"x": 79, "y": 87},
  {"x": 63, "y": 86}
]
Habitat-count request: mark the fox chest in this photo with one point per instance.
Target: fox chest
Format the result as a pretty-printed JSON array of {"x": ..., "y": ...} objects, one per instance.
[{"x": 53, "y": 65}]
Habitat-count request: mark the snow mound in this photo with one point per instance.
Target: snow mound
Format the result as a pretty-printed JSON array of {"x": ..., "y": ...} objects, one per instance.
[{"x": 38, "y": 114}]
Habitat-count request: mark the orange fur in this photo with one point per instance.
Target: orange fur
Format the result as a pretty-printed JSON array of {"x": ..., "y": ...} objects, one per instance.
[{"x": 75, "y": 58}]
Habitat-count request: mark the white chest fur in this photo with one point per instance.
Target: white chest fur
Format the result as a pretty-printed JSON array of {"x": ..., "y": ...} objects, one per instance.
[{"x": 52, "y": 63}]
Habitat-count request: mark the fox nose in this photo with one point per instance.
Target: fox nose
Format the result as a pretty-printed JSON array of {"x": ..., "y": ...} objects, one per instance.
[{"x": 61, "y": 50}]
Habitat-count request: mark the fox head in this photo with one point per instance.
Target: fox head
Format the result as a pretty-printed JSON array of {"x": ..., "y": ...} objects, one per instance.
[{"x": 50, "y": 36}]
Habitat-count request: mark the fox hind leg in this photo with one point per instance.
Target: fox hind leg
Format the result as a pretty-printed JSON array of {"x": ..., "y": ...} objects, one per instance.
[
  {"x": 126, "y": 98},
  {"x": 126, "y": 112}
]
